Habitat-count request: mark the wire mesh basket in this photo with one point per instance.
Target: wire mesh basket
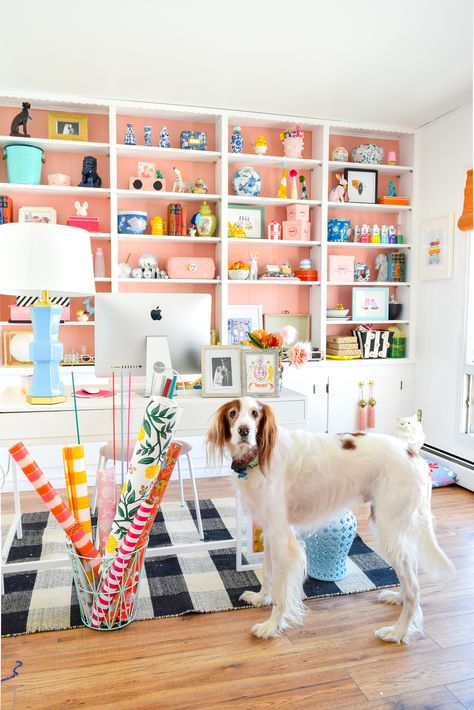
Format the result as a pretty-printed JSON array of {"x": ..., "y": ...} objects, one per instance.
[{"x": 88, "y": 581}]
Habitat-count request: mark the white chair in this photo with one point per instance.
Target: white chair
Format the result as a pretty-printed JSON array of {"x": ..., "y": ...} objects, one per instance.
[{"x": 106, "y": 457}]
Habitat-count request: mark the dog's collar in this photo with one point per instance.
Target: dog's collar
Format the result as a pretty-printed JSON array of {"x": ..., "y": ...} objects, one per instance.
[{"x": 240, "y": 466}]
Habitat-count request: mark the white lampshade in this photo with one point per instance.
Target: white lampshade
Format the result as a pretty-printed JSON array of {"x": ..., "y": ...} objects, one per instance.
[{"x": 45, "y": 257}]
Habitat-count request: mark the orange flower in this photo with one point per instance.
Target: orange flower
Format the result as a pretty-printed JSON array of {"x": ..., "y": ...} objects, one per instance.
[{"x": 275, "y": 340}]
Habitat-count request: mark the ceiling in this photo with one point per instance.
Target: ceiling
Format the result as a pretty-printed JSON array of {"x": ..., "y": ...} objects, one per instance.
[{"x": 403, "y": 62}]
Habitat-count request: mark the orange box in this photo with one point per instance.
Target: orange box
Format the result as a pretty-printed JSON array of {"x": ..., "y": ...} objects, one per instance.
[
  {"x": 386, "y": 200},
  {"x": 297, "y": 230}
]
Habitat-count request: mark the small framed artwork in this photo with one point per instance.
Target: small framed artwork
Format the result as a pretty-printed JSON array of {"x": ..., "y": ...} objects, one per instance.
[
  {"x": 260, "y": 372},
  {"x": 370, "y": 304},
  {"x": 362, "y": 185},
  {"x": 274, "y": 322},
  {"x": 241, "y": 320},
  {"x": 437, "y": 248},
  {"x": 246, "y": 221},
  {"x": 43, "y": 215},
  {"x": 221, "y": 372},
  {"x": 67, "y": 126}
]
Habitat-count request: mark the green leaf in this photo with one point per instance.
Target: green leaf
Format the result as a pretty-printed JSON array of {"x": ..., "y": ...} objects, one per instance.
[
  {"x": 131, "y": 497},
  {"x": 147, "y": 460},
  {"x": 147, "y": 427}
]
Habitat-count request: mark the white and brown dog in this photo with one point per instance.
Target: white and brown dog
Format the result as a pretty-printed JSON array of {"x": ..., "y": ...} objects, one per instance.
[{"x": 296, "y": 478}]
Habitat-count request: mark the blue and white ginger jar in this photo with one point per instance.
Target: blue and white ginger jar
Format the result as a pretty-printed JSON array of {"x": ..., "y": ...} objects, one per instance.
[
  {"x": 246, "y": 182},
  {"x": 237, "y": 140}
]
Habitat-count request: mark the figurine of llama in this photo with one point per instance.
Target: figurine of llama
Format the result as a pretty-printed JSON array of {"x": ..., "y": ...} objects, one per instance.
[
  {"x": 253, "y": 273},
  {"x": 339, "y": 193},
  {"x": 179, "y": 184}
]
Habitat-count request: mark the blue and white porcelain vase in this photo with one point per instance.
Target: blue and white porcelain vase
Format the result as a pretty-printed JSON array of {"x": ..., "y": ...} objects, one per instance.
[
  {"x": 164, "y": 138},
  {"x": 237, "y": 140},
  {"x": 147, "y": 135},
  {"x": 130, "y": 135},
  {"x": 327, "y": 548},
  {"x": 247, "y": 182}
]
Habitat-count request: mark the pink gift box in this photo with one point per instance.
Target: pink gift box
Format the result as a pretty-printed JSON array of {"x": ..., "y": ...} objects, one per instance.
[
  {"x": 296, "y": 230},
  {"x": 90, "y": 224},
  {"x": 298, "y": 212},
  {"x": 341, "y": 268},
  {"x": 22, "y": 313},
  {"x": 190, "y": 267}
]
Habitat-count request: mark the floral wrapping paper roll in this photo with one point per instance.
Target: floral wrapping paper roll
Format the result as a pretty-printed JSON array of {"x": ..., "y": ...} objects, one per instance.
[{"x": 153, "y": 439}]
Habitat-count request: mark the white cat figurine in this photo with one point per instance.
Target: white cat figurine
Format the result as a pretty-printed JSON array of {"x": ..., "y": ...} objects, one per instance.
[{"x": 410, "y": 430}]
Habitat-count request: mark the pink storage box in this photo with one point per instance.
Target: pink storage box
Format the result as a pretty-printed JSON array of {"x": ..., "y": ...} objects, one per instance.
[
  {"x": 296, "y": 230},
  {"x": 90, "y": 224},
  {"x": 341, "y": 268},
  {"x": 297, "y": 212},
  {"x": 190, "y": 267},
  {"x": 22, "y": 313}
]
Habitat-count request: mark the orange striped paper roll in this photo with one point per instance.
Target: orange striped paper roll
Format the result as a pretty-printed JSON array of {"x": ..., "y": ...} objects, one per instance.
[
  {"x": 81, "y": 540},
  {"x": 76, "y": 483}
]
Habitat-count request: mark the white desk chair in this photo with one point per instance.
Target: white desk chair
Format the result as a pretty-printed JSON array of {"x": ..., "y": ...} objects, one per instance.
[{"x": 106, "y": 457}]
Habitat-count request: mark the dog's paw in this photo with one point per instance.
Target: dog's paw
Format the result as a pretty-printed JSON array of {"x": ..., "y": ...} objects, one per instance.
[
  {"x": 393, "y": 635},
  {"x": 266, "y": 630},
  {"x": 256, "y": 598},
  {"x": 388, "y": 596}
]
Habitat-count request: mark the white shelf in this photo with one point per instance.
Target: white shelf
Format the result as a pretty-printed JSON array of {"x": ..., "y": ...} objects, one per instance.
[
  {"x": 270, "y": 201},
  {"x": 148, "y": 151},
  {"x": 364, "y": 245},
  {"x": 102, "y": 279},
  {"x": 368, "y": 207},
  {"x": 100, "y": 235},
  {"x": 67, "y": 322},
  {"x": 394, "y": 170},
  {"x": 171, "y": 281},
  {"x": 271, "y": 282},
  {"x": 94, "y": 192},
  {"x": 341, "y": 321},
  {"x": 157, "y": 239},
  {"x": 368, "y": 283},
  {"x": 58, "y": 146},
  {"x": 173, "y": 196},
  {"x": 269, "y": 161},
  {"x": 275, "y": 242}
]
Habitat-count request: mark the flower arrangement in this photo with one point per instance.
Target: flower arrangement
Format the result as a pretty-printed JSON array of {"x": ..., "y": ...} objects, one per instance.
[
  {"x": 298, "y": 354},
  {"x": 295, "y": 133}
]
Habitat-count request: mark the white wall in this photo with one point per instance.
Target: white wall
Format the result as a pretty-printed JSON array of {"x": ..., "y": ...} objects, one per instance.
[{"x": 445, "y": 153}]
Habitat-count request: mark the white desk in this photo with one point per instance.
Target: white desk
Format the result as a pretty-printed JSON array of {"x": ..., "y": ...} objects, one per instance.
[{"x": 55, "y": 424}]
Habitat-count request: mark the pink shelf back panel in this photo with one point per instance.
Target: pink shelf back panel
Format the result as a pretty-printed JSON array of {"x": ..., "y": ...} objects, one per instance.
[
  {"x": 271, "y": 180},
  {"x": 163, "y": 250},
  {"x": 350, "y": 142},
  {"x": 174, "y": 127},
  {"x": 64, "y": 206},
  {"x": 272, "y": 136},
  {"x": 190, "y": 170},
  {"x": 97, "y": 124},
  {"x": 382, "y": 182},
  {"x": 294, "y": 299}
]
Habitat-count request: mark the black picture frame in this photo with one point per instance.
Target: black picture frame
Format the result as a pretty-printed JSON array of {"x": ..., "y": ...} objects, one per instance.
[{"x": 350, "y": 175}]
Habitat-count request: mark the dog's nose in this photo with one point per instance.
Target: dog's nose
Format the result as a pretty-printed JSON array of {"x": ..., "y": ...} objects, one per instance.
[{"x": 243, "y": 431}]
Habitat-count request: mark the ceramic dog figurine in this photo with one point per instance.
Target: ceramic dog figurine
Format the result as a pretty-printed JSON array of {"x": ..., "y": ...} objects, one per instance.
[
  {"x": 89, "y": 173},
  {"x": 21, "y": 119}
]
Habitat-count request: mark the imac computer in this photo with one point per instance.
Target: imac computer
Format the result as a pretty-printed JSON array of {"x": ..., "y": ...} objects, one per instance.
[{"x": 172, "y": 327}]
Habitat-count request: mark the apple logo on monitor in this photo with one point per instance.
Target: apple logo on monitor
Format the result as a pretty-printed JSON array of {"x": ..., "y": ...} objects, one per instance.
[{"x": 156, "y": 313}]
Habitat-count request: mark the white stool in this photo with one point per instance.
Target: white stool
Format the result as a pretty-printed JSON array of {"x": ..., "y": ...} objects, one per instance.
[{"x": 106, "y": 455}]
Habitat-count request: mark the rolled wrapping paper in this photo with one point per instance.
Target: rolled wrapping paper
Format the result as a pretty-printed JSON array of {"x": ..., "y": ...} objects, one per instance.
[
  {"x": 81, "y": 540},
  {"x": 76, "y": 484},
  {"x": 113, "y": 579},
  {"x": 106, "y": 504},
  {"x": 153, "y": 439}
]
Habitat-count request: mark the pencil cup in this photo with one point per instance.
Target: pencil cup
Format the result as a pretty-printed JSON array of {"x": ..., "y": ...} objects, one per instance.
[{"x": 123, "y": 609}]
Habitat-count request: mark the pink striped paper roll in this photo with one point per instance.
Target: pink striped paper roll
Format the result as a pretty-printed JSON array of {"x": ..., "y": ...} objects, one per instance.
[
  {"x": 111, "y": 583},
  {"x": 106, "y": 503},
  {"x": 82, "y": 541}
]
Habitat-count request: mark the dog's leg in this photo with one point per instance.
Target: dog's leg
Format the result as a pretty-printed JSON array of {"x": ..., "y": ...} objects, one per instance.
[
  {"x": 389, "y": 596},
  {"x": 264, "y": 596},
  {"x": 288, "y": 573}
]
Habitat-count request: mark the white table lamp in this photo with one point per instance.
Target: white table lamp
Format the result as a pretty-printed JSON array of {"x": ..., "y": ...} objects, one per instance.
[{"x": 51, "y": 260}]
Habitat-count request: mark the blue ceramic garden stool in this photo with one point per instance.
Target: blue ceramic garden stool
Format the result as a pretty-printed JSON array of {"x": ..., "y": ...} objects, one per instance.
[{"x": 328, "y": 547}]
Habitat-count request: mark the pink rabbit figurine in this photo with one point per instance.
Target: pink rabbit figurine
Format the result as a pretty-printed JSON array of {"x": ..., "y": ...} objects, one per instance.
[{"x": 339, "y": 193}]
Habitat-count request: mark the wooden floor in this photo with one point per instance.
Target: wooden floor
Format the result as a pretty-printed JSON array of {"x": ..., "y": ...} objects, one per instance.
[{"x": 211, "y": 660}]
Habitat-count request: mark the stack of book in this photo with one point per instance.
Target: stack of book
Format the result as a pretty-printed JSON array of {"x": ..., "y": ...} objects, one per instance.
[
  {"x": 341, "y": 347},
  {"x": 6, "y": 209}
]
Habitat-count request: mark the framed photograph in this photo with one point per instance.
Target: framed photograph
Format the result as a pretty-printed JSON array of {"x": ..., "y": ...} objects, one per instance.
[
  {"x": 370, "y": 304},
  {"x": 436, "y": 251},
  {"x": 274, "y": 322},
  {"x": 241, "y": 319},
  {"x": 362, "y": 185},
  {"x": 221, "y": 375},
  {"x": 67, "y": 126},
  {"x": 246, "y": 221},
  {"x": 260, "y": 372},
  {"x": 44, "y": 215}
]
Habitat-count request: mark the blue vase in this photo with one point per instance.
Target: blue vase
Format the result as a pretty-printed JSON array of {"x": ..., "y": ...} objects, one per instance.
[
  {"x": 147, "y": 135},
  {"x": 164, "y": 138},
  {"x": 328, "y": 547},
  {"x": 130, "y": 135},
  {"x": 237, "y": 141}
]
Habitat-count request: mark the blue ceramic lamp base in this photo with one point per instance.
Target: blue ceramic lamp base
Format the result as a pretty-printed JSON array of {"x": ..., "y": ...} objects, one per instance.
[{"x": 46, "y": 352}]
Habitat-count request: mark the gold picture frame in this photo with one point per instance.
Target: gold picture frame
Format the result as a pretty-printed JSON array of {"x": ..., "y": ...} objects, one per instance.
[{"x": 67, "y": 126}]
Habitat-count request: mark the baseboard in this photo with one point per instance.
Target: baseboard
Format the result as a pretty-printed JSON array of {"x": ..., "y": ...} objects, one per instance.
[{"x": 463, "y": 468}]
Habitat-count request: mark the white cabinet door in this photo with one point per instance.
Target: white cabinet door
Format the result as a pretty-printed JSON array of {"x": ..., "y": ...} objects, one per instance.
[{"x": 312, "y": 381}]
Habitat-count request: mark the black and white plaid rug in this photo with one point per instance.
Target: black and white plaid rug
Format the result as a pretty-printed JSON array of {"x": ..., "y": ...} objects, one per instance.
[{"x": 171, "y": 586}]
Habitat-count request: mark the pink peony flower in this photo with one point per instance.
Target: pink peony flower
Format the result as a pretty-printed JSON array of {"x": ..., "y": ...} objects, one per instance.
[
  {"x": 288, "y": 333},
  {"x": 299, "y": 354}
]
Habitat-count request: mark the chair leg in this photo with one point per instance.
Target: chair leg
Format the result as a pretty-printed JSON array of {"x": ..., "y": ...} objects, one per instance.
[
  {"x": 181, "y": 486},
  {"x": 196, "y": 499}
]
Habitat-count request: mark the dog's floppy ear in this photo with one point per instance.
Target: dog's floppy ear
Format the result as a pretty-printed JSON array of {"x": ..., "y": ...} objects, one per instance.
[
  {"x": 266, "y": 437},
  {"x": 219, "y": 432}
]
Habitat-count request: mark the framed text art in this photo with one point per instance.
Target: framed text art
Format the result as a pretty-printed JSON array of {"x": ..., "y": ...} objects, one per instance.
[{"x": 436, "y": 253}]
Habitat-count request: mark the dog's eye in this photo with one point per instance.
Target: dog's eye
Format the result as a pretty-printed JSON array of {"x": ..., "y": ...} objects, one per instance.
[
  {"x": 232, "y": 413},
  {"x": 254, "y": 413}
]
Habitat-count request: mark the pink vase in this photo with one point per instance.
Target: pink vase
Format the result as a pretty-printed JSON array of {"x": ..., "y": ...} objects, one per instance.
[{"x": 293, "y": 147}]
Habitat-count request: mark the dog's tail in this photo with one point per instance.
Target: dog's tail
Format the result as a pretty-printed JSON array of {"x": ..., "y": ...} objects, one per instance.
[{"x": 432, "y": 558}]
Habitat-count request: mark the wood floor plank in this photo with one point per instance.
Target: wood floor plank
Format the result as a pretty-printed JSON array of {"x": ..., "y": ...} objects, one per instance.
[
  {"x": 451, "y": 631},
  {"x": 431, "y": 699},
  {"x": 464, "y": 691}
]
